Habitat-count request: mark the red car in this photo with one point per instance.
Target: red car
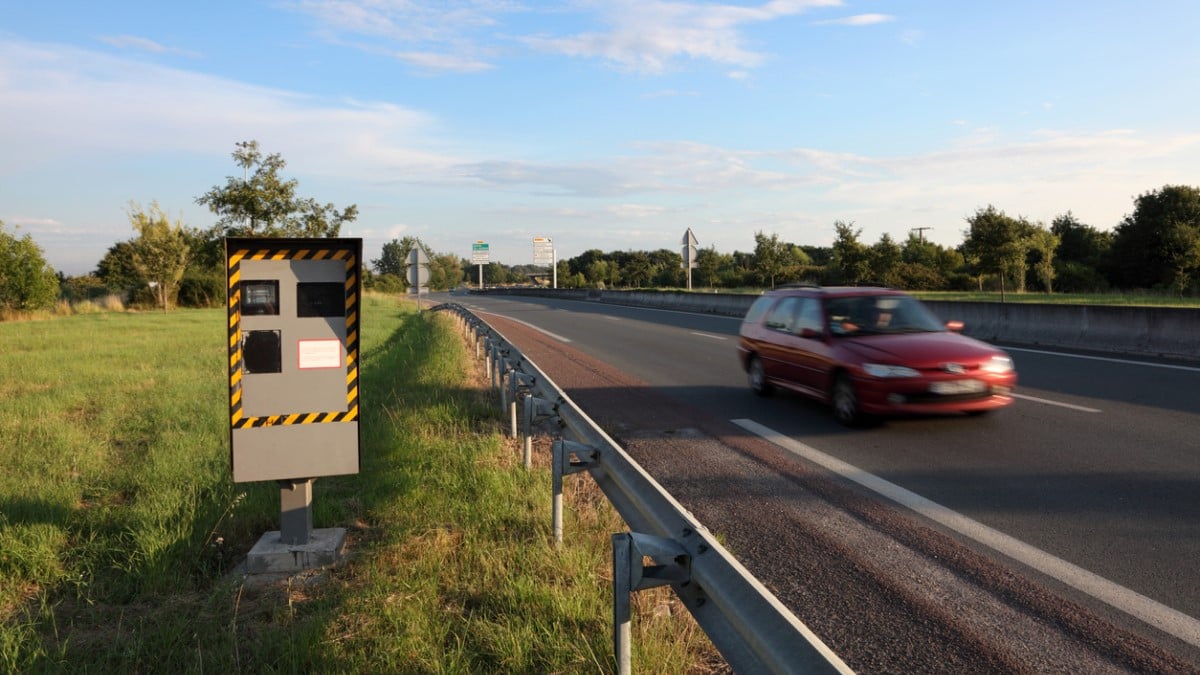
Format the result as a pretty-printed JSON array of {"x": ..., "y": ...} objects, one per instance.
[{"x": 870, "y": 352}]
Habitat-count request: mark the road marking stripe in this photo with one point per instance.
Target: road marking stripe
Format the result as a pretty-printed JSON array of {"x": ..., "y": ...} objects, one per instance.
[
  {"x": 1156, "y": 614},
  {"x": 709, "y": 335},
  {"x": 1057, "y": 403},
  {"x": 543, "y": 331}
]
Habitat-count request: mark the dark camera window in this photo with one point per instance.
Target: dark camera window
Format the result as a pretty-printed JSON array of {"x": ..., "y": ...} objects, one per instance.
[
  {"x": 260, "y": 298},
  {"x": 320, "y": 299},
  {"x": 261, "y": 351}
]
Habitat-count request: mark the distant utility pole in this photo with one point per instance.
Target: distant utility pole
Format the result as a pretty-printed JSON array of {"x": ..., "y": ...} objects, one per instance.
[{"x": 920, "y": 233}]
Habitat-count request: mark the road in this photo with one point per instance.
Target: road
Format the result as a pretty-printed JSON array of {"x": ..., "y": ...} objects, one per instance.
[{"x": 1089, "y": 480}]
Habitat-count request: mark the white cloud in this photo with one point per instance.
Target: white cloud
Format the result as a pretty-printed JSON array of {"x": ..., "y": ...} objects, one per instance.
[
  {"x": 647, "y": 35},
  {"x": 143, "y": 44},
  {"x": 438, "y": 36},
  {"x": 62, "y": 101},
  {"x": 431, "y": 61},
  {"x": 859, "y": 20}
]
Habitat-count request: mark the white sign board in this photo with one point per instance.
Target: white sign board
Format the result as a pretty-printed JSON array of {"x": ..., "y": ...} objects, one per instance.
[
  {"x": 543, "y": 251},
  {"x": 319, "y": 354},
  {"x": 479, "y": 253}
]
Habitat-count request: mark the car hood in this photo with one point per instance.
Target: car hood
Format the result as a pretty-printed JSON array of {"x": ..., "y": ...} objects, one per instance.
[{"x": 921, "y": 350}]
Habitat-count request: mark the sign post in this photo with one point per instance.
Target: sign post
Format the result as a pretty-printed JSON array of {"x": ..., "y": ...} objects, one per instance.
[
  {"x": 293, "y": 327},
  {"x": 690, "y": 254},
  {"x": 479, "y": 256}
]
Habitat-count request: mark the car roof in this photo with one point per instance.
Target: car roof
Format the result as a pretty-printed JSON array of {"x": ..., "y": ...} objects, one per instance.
[{"x": 833, "y": 291}]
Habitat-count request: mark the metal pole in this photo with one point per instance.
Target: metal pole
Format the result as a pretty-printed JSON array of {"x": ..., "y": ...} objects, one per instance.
[
  {"x": 557, "y": 461},
  {"x": 622, "y": 602},
  {"x": 295, "y": 510},
  {"x": 528, "y": 456},
  {"x": 512, "y": 409}
]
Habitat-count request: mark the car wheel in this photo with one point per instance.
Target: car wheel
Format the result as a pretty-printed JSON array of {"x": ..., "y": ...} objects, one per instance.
[
  {"x": 845, "y": 402},
  {"x": 758, "y": 377}
]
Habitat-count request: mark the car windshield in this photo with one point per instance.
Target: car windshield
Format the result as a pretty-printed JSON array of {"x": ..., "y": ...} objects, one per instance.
[{"x": 879, "y": 315}]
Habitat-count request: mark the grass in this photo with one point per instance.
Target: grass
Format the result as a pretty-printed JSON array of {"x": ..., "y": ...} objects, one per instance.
[{"x": 120, "y": 527}]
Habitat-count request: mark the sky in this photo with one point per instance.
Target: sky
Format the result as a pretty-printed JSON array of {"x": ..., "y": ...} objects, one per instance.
[{"x": 601, "y": 124}]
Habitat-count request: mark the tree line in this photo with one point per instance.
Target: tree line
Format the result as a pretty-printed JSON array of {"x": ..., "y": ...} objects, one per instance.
[{"x": 1156, "y": 247}]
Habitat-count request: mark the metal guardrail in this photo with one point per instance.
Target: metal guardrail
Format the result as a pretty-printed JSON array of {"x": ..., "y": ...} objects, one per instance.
[{"x": 749, "y": 626}]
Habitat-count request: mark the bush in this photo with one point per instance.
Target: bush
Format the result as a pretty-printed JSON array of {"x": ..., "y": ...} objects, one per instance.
[
  {"x": 387, "y": 283},
  {"x": 27, "y": 283},
  {"x": 202, "y": 290}
]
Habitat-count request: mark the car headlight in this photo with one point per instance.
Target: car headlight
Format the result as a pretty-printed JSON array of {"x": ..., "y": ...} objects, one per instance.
[
  {"x": 998, "y": 365},
  {"x": 884, "y": 370}
]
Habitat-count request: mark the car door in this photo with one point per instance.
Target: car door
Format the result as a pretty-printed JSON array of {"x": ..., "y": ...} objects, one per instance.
[
  {"x": 777, "y": 347},
  {"x": 810, "y": 352}
]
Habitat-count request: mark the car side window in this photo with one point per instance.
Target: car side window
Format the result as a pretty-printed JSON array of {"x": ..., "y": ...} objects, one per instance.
[
  {"x": 808, "y": 317},
  {"x": 782, "y": 315}
]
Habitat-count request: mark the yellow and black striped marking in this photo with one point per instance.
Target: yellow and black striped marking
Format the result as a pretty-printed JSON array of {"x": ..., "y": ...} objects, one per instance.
[{"x": 234, "y": 259}]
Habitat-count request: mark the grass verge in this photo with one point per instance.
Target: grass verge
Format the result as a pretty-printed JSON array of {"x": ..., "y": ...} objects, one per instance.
[{"x": 120, "y": 528}]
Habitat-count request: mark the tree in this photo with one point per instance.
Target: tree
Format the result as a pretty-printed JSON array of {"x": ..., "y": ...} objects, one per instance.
[
  {"x": 116, "y": 268},
  {"x": 264, "y": 205},
  {"x": 597, "y": 273},
  {"x": 851, "y": 260},
  {"x": 998, "y": 244},
  {"x": 160, "y": 252},
  {"x": 709, "y": 262},
  {"x": 1150, "y": 244},
  {"x": 885, "y": 258},
  {"x": 27, "y": 282},
  {"x": 639, "y": 269},
  {"x": 1042, "y": 245},
  {"x": 445, "y": 271},
  {"x": 770, "y": 257},
  {"x": 394, "y": 257},
  {"x": 1181, "y": 252},
  {"x": 1079, "y": 242}
]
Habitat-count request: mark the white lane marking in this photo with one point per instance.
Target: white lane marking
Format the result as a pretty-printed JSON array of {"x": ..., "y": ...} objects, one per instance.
[
  {"x": 709, "y": 335},
  {"x": 1060, "y": 404},
  {"x": 1131, "y": 602},
  {"x": 543, "y": 331},
  {"x": 1109, "y": 359}
]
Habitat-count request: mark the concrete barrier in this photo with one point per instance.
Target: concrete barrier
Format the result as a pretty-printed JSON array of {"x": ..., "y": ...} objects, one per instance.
[{"x": 1172, "y": 332}]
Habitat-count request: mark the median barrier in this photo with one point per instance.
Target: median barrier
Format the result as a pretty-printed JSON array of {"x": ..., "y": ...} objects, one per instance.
[{"x": 1172, "y": 332}]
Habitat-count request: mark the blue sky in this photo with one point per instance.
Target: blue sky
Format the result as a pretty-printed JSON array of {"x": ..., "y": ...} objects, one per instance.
[{"x": 614, "y": 124}]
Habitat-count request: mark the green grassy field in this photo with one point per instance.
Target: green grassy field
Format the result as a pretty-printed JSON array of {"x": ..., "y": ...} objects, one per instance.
[{"x": 120, "y": 527}]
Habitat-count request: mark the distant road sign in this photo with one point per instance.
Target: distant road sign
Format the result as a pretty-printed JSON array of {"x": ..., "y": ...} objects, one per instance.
[
  {"x": 479, "y": 253},
  {"x": 418, "y": 270},
  {"x": 689, "y": 249},
  {"x": 543, "y": 251}
]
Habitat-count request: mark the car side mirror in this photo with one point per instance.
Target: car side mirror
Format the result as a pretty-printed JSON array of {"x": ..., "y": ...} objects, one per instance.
[
  {"x": 810, "y": 334},
  {"x": 955, "y": 326}
]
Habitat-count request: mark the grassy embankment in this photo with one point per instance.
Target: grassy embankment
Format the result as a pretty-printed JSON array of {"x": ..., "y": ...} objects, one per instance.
[{"x": 120, "y": 527}]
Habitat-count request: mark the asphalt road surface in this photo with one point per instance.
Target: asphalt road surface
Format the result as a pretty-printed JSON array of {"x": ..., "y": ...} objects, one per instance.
[{"x": 1077, "y": 508}]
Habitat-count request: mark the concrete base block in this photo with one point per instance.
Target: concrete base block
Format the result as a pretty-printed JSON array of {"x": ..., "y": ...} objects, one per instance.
[{"x": 271, "y": 556}]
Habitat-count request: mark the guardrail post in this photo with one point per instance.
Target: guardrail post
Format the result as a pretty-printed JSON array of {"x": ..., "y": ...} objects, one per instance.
[
  {"x": 527, "y": 450},
  {"x": 672, "y": 565},
  {"x": 535, "y": 409},
  {"x": 563, "y": 465},
  {"x": 518, "y": 383},
  {"x": 490, "y": 351}
]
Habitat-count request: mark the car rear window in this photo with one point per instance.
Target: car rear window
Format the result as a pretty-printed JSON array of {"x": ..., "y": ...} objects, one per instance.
[{"x": 756, "y": 311}]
